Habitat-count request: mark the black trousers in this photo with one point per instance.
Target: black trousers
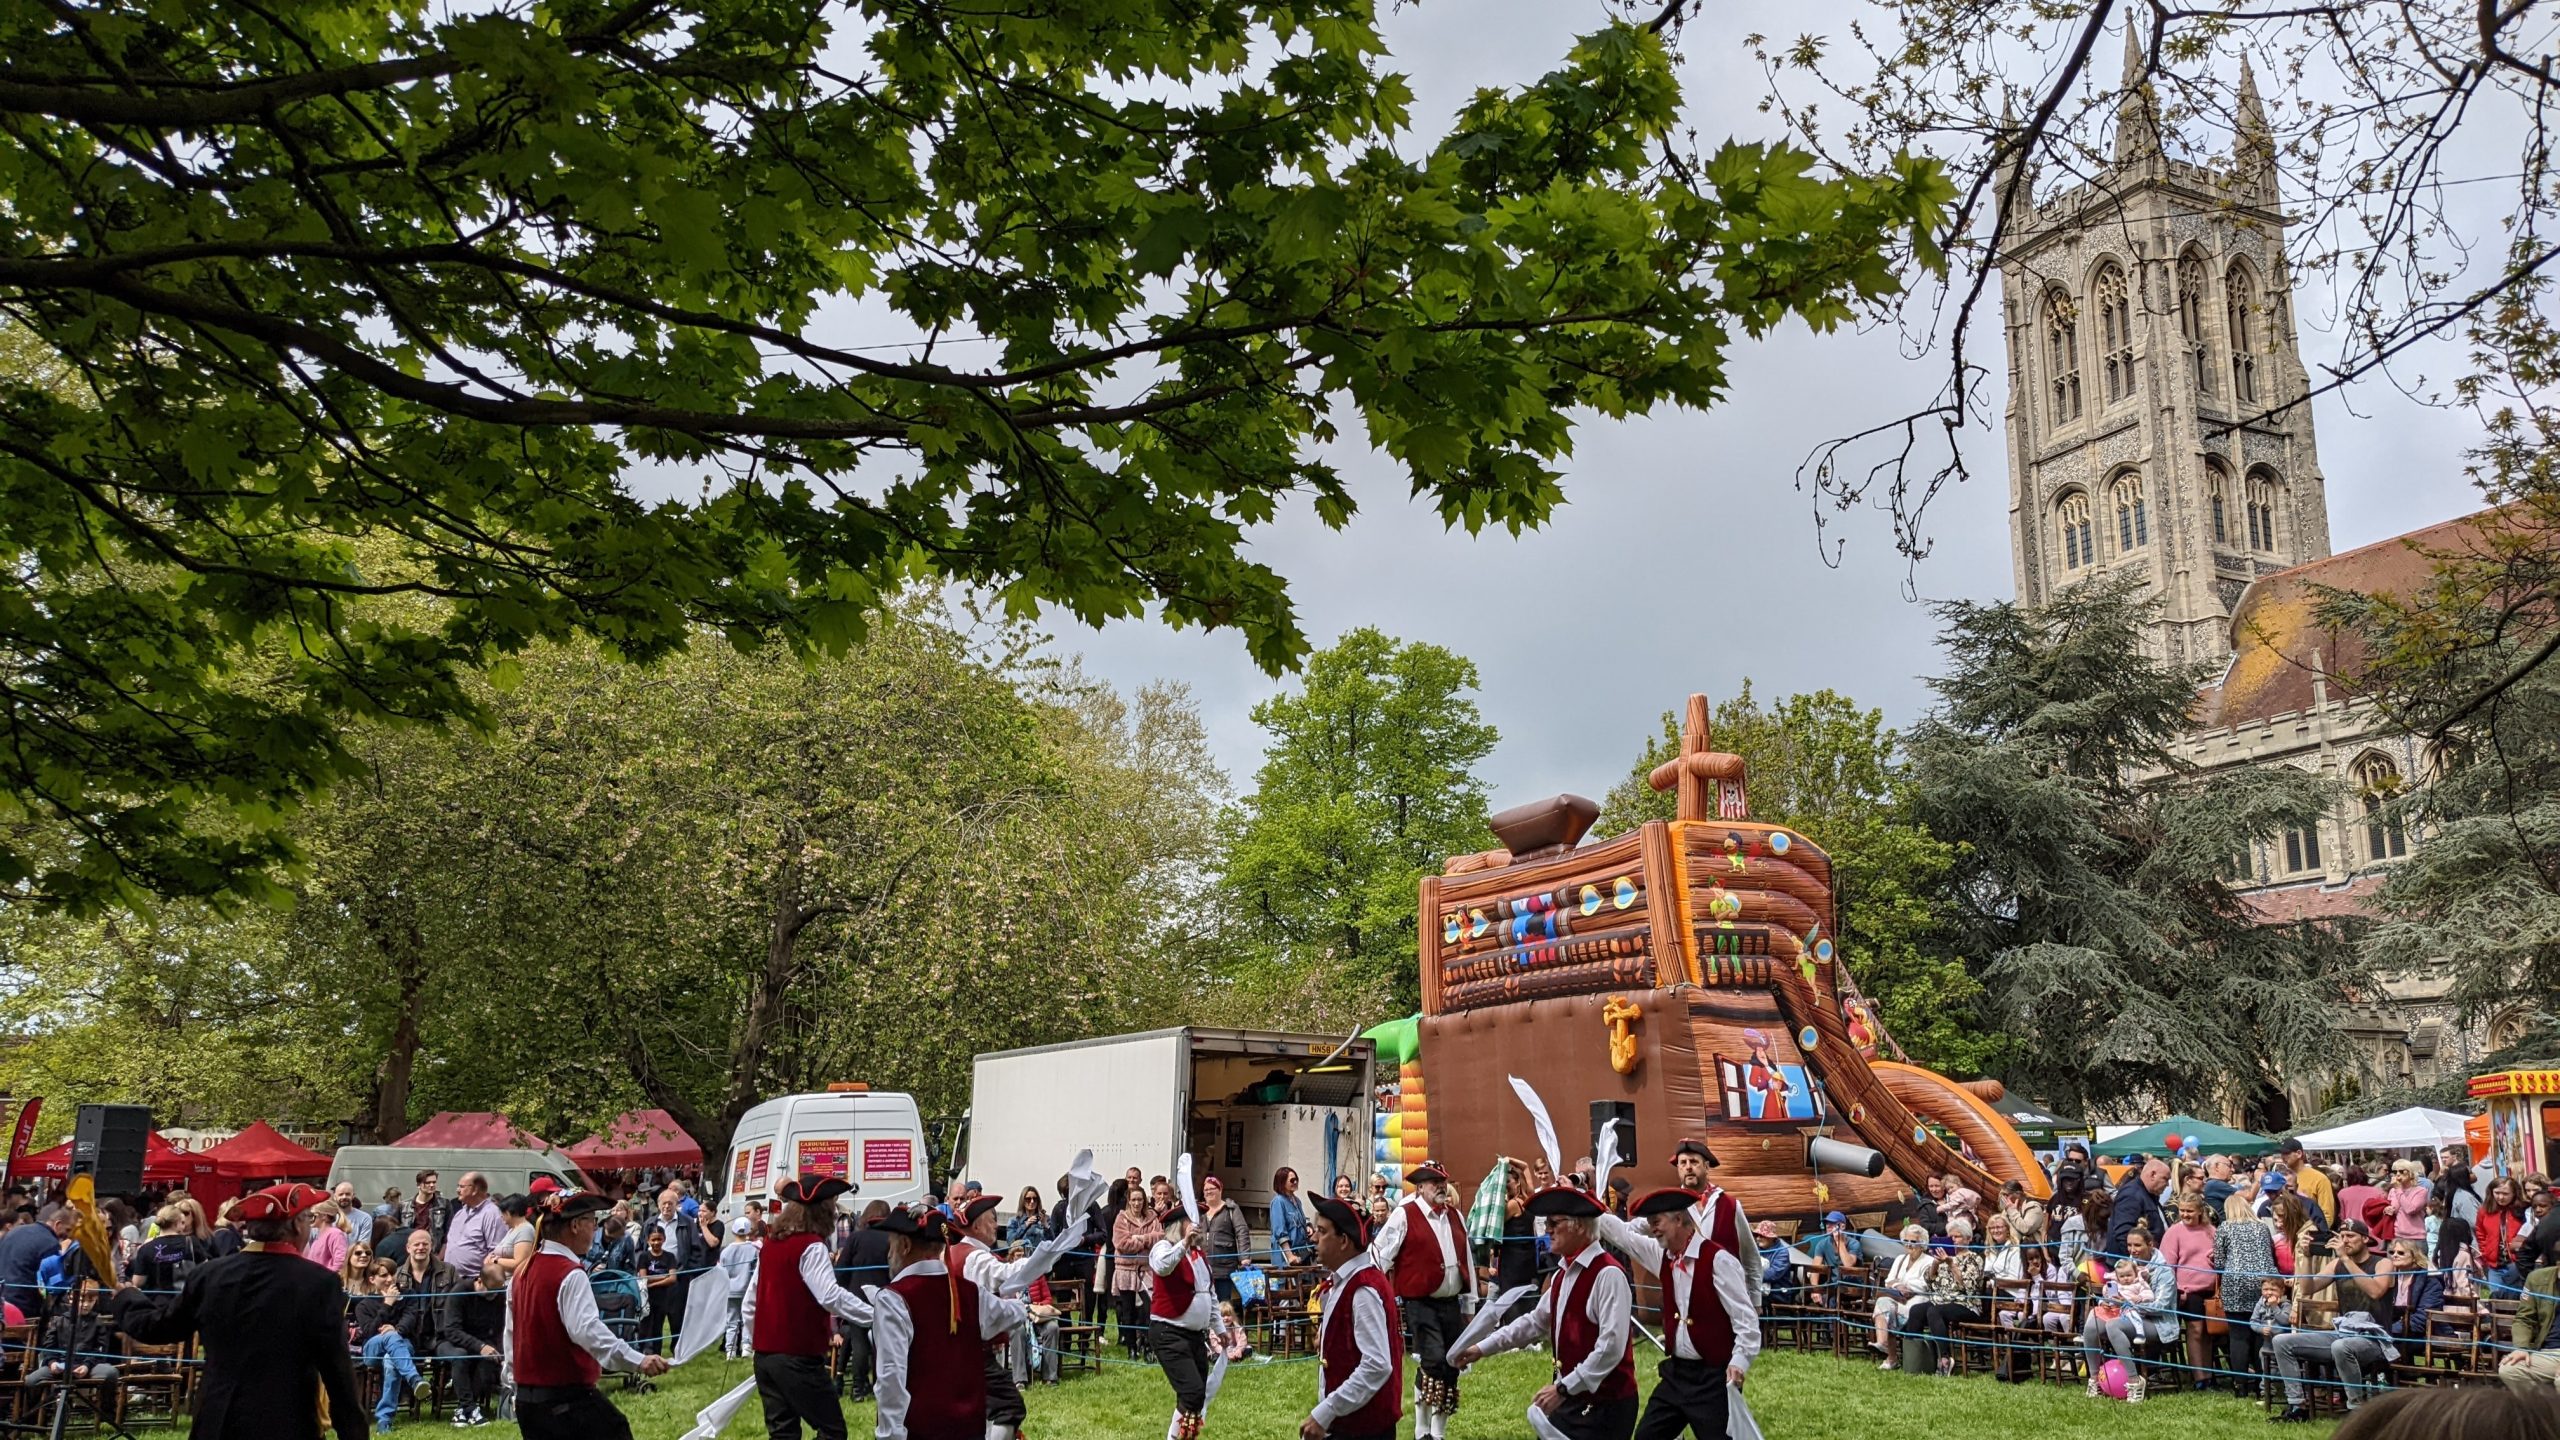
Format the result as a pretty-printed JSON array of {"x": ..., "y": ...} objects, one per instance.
[
  {"x": 475, "y": 1376},
  {"x": 564, "y": 1413},
  {"x": 1004, "y": 1398},
  {"x": 1687, "y": 1395},
  {"x": 795, "y": 1390},
  {"x": 856, "y": 1375},
  {"x": 1581, "y": 1418},
  {"x": 1184, "y": 1354},
  {"x": 1429, "y": 1326}
]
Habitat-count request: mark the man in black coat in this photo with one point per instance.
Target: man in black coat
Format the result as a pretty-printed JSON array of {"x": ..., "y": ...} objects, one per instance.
[
  {"x": 863, "y": 1263},
  {"x": 273, "y": 1325},
  {"x": 2138, "y": 1203}
]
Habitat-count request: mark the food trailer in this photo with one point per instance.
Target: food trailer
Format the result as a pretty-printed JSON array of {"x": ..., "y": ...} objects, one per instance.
[{"x": 2519, "y": 1129}]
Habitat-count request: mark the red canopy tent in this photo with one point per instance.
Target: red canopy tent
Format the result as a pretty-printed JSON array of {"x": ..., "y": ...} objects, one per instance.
[
  {"x": 471, "y": 1130},
  {"x": 162, "y": 1164},
  {"x": 262, "y": 1151},
  {"x": 639, "y": 1139}
]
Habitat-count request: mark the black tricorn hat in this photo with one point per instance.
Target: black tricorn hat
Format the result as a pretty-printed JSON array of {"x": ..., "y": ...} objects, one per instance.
[
  {"x": 1562, "y": 1202},
  {"x": 816, "y": 1194},
  {"x": 1343, "y": 1219},
  {"x": 1670, "y": 1201}
]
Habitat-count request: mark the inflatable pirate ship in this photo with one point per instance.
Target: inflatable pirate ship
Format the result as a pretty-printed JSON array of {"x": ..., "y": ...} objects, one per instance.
[{"x": 1682, "y": 980}]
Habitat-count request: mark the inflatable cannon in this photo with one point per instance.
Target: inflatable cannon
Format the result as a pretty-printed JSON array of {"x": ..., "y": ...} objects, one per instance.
[{"x": 1681, "y": 980}]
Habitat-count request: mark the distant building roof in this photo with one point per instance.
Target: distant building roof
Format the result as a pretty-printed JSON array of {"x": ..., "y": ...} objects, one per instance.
[
  {"x": 2278, "y": 643},
  {"x": 2294, "y": 904}
]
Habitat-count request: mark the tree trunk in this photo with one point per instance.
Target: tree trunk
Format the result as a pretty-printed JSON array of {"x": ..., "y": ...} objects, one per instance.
[{"x": 403, "y": 945}]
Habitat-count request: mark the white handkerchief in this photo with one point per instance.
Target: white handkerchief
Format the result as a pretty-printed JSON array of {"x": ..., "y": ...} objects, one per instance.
[
  {"x": 708, "y": 1421},
  {"x": 706, "y": 1315},
  {"x": 1738, "y": 1422},
  {"x": 1542, "y": 1427},
  {"x": 1488, "y": 1315},
  {"x": 1217, "y": 1377}
]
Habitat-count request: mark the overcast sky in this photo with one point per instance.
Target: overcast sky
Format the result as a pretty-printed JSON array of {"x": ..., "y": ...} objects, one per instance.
[{"x": 1687, "y": 558}]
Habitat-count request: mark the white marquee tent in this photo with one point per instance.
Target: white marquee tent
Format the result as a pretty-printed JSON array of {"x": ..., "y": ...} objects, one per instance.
[{"x": 2414, "y": 1128}]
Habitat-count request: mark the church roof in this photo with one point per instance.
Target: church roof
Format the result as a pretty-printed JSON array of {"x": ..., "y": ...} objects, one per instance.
[
  {"x": 2295, "y": 904},
  {"x": 2278, "y": 642}
]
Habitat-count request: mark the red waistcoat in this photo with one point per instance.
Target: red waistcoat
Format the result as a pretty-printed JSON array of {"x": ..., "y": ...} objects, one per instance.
[
  {"x": 789, "y": 1320},
  {"x": 1575, "y": 1333},
  {"x": 1427, "y": 1247},
  {"x": 544, "y": 1354},
  {"x": 1172, "y": 1294},
  {"x": 1341, "y": 1350},
  {"x": 1724, "y": 1222},
  {"x": 1710, "y": 1329},
  {"x": 946, "y": 1362}
]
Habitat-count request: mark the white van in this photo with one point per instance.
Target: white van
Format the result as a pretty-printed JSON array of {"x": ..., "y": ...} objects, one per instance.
[
  {"x": 373, "y": 1169},
  {"x": 873, "y": 1138}
]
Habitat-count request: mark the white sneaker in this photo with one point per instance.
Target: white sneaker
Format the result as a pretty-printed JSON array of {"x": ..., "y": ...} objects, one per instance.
[
  {"x": 2133, "y": 1391},
  {"x": 2094, "y": 1392}
]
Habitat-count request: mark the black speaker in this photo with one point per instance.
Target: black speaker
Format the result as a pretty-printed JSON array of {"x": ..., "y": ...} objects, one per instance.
[
  {"x": 106, "y": 1145},
  {"x": 1620, "y": 1114}
]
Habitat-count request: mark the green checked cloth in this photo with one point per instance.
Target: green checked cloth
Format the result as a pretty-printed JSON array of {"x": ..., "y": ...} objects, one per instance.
[{"x": 1485, "y": 1216}]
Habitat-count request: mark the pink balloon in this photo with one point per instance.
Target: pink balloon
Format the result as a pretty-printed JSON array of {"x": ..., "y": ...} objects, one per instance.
[{"x": 2111, "y": 1378}]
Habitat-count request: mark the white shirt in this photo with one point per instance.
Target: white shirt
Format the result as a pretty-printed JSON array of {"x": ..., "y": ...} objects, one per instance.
[
  {"x": 893, "y": 1333},
  {"x": 1726, "y": 1280},
  {"x": 1368, "y": 1333},
  {"x": 818, "y": 1272},
  {"x": 586, "y": 1328},
  {"x": 1610, "y": 1308},
  {"x": 980, "y": 1267},
  {"x": 1204, "y": 1296},
  {"x": 1454, "y": 1269}
]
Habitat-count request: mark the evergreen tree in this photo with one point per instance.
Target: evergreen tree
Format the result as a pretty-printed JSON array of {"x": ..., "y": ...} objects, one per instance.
[
  {"x": 2088, "y": 889},
  {"x": 1367, "y": 783}
]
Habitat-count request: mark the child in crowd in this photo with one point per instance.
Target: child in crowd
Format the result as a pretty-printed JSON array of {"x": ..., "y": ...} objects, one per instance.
[
  {"x": 1231, "y": 1337},
  {"x": 2274, "y": 1313}
]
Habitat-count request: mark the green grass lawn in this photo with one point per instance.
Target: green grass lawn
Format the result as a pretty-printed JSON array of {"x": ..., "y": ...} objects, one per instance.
[{"x": 1795, "y": 1396}]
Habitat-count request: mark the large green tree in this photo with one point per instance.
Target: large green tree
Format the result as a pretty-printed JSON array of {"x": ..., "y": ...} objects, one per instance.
[
  {"x": 1060, "y": 298},
  {"x": 2088, "y": 887},
  {"x": 692, "y": 886},
  {"x": 2469, "y": 660},
  {"x": 1368, "y": 781},
  {"x": 1822, "y": 764}
]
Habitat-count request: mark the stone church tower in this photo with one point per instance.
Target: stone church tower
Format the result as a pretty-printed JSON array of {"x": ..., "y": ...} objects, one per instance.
[{"x": 2156, "y": 417}]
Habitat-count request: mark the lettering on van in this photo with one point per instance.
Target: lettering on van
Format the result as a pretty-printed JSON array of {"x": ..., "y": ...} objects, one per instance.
[{"x": 888, "y": 1159}]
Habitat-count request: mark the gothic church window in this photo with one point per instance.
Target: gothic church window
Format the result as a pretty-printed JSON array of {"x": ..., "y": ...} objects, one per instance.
[
  {"x": 2133, "y": 521},
  {"x": 2262, "y": 513},
  {"x": 2079, "y": 547},
  {"x": 2062, "y": 355},
  {"x": 2377, "y": 784},
  {"x": 2191, "y": 288},
  {"x": 2302, "y": 849},
  {"x": 2240, "y": 325},
  {"x": 2115, "y": 331},
  {"x": 2216, "y": 488}
]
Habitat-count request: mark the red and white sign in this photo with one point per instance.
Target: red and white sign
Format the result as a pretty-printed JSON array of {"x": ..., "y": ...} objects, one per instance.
[
  {"x": 825, "y": 1159},
  {"x": 888, "y": 1160},
  {"x": 759, "y": 1165}
]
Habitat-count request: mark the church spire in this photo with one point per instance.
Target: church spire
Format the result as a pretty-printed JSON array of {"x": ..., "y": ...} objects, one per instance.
[
  {"x": 2253, "y": 157},
  {"x": 2013, "y": 194},
  {"x": 2137, "y": 106}
]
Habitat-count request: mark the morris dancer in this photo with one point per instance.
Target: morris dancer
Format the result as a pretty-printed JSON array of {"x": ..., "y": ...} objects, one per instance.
[
  {"x": 930, "y": 1330},
  {"x": 1718, "y": 1214},
  {"x": 977, "y": 1259},
  {"x": 275, "y": 1329},
  {"x": 1708, "y": 1318},
  {"x": 1180, "y": 1311},
  {"x": 786, "y": 1313},
  {"x": 557, "y": 1346},
  {"x": 1583, "y": 1317},
  {"x": 1360, "y": 1388},
  {"x": 1423, "y": 1248}
]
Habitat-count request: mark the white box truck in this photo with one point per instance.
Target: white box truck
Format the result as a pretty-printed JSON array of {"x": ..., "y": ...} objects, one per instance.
[
  {"x": 1243, "y": 1102},
  {"x": 873, "y": 1138}
]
